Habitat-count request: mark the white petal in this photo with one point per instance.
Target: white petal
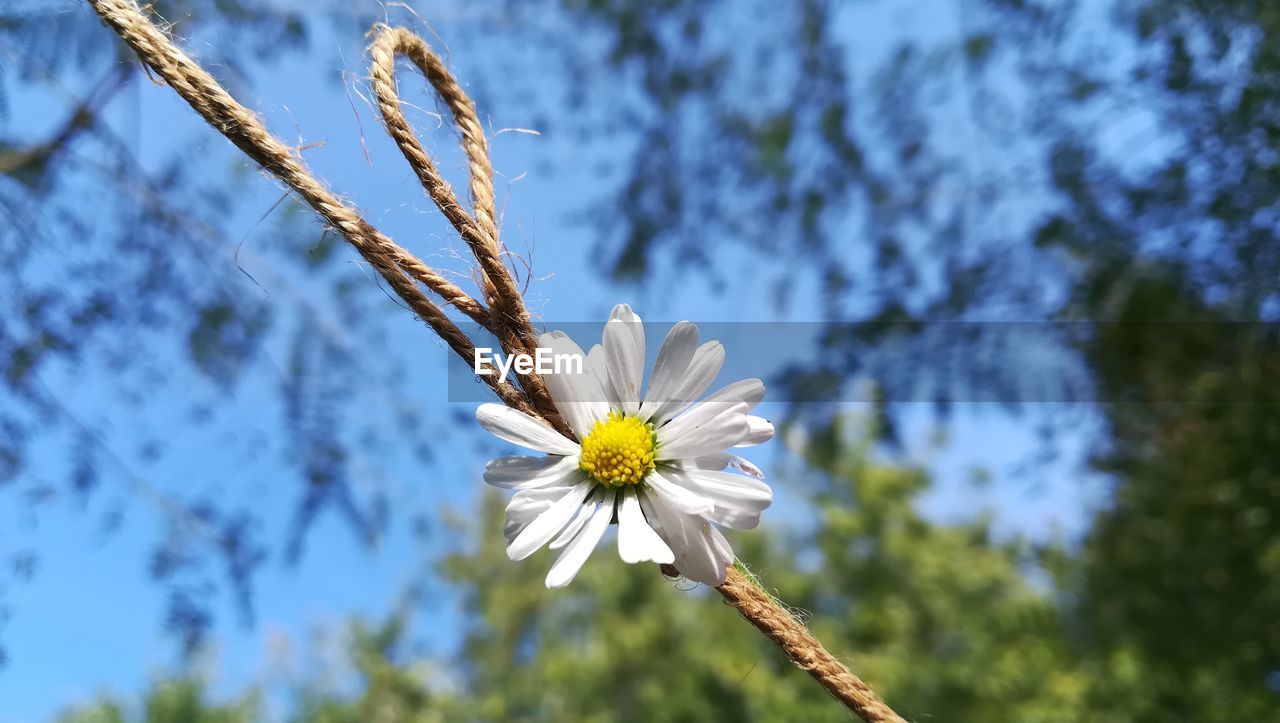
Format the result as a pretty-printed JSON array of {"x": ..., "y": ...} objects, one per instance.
[
  {"x": 745, "y": 466},
  {"x": 577, "y": 394},
  {"x": 596, "y": 364},
  {"x": 637, "y": 542},
  {"x": 547, "y": 524},
  {"x": 681, "y": 498},
  {"x": 510, "y": 529},
  {"x": 525, "y": 507},
  {"x": 721, "y": 549},
  {"x": 717, "y": 461},
  {"x": 528, "y": 504},
  {"x": 701, "y": 414},
  {"x": 715, "y": 436},
  {"x": 519, "y": 428},
  {"x": 698, "y": 378},
  {"x": 721, "y": 460},
  {"x": 759, "y": 431},
  {"x": 726, "y": 488},
  {"x": 584, "y": 514},
  {"x": 520, "y": 473},
  {"x": 623, "y": 312},
  {"x": 702, "y": 370},
  {"x": 701, "y": 552},
  {"x": 646, "y": 498},
  {"x": 750, "y": 391},
  {"x": 579, "y": 549},
  {"x": 673, "y": 360},
  {"x": 599, "y": 368},
  {"x": 624, "y": 352},
  {"x": 734, "y": 519},
  {"x": 738, "y": 500}
]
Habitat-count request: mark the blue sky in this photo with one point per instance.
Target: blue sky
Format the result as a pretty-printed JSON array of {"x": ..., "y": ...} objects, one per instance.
[{"x": 90, "y": 619}]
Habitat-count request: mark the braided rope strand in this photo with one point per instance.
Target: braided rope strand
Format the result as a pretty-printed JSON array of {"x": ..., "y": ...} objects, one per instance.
[
  {"x": 780, "y": 626},
  {"x": 243, "y": 128},
  {"x": 512, "y": 323}
]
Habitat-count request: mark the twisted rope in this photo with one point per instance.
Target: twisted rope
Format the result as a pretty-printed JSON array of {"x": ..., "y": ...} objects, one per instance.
[
  {"x": 243, "y": 128},
  {"x": 506, "y": 315},
  {"x": 480, "y": 231},
  {"x": 805, "y": 650}
]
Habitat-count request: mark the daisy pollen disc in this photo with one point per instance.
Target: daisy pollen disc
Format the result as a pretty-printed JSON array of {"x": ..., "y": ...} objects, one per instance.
[{"x": 618, "y": 451}]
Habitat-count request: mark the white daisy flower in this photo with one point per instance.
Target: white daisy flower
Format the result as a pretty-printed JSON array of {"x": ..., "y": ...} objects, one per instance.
[{"x": 655, "y": 463}]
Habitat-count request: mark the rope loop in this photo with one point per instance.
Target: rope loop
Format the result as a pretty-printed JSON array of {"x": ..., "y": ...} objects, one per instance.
[
  {"x": 478, "y": 229},
  {"x": 480, "y": 226}
]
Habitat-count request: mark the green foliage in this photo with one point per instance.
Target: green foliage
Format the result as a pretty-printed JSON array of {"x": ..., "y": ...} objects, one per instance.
[
  {"x": 942, "y": 615},
  {"x": 176, "y": 700},
  {"x": 620, "y": 644},
  {"x": 390, "y": 690},
  {"x": 940, "y": 618},
  {"x": 1165, "y": 613},
  {"x": 943, "y": 619},
  {"x": 1191, "y": 541}
]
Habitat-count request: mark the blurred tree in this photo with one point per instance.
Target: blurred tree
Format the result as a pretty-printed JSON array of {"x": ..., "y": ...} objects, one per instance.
[
  {"x": 940, "y": 617},
  {"x": 1191, "y": 539},
  {"x": 1032, "y": 160},
  {"x": 174, "y": 700},
  {"x": 1178, "y": 251},
  {"x": 123, "y": 263},
  {"x": 1116, "y": 163},
  {"x": 943, "y": 619},
  {"x": 391, "y": 686}
]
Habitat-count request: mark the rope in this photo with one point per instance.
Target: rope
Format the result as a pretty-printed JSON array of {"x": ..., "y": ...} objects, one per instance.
[
  {"x": 480, "y": 232},
  {"x": 805, "y": 650},
  {"x": 250, "y": 135},
  {"x": 506, "y": 315}
]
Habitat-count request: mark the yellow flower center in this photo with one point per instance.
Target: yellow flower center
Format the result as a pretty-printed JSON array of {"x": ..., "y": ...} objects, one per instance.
[{"x": 618, "y": 451}]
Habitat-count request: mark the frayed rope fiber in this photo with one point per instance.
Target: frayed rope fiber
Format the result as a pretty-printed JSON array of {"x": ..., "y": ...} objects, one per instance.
[
  {"x": 505, "y": 315},
  {"x": 805, "y": 650}
]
